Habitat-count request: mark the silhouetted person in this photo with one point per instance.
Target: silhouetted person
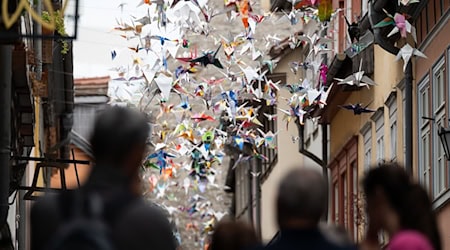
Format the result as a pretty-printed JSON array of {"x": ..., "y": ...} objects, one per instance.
[
  {"x": 399, "y": 207},
  {"x": 118, "y": 144},
  {"x": 301, "y": 202},
  {"x": 233, "y": 235}
]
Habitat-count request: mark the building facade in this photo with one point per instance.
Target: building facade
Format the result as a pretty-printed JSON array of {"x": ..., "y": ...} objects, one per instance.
[
  {"x": 431, "y": 108},
  {"x": 388, "y": 134},
  {"x": 409, "y": 103},
  {"x": 36, "y": 111}
]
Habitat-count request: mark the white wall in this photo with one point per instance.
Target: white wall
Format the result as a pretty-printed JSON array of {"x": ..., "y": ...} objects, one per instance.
[{"x": 289, "y": 156}]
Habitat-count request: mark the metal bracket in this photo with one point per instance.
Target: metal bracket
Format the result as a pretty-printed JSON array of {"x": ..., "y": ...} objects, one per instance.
[{"x": 46, "y": 162}]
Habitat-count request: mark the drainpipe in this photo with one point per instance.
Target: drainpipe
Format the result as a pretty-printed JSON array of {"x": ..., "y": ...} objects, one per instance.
[
  {"x": 325, "y": 163},
  {"x": 5, "y": 128},
  {"x": 408, "y": 118}
]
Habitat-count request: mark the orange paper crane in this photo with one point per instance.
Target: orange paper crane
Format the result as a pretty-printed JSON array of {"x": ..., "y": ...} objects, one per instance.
[
  {"x": 148, "y": 2},
  {"x": 167, "y": 173},
  {"x": 244, "y": 8}
]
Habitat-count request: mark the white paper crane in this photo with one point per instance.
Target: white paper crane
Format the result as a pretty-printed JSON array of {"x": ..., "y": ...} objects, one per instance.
[
  {"x": 357, "y": 79},
  {"x": 164, "y": 84},
  {"x": 406, "y": 52}
]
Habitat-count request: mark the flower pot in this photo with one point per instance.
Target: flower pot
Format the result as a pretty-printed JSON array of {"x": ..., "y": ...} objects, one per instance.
[{"x": 47, "y": 46}]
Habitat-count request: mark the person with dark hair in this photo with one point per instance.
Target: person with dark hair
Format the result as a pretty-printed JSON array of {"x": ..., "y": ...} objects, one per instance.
[
  {"x": 233, "y": 235},
  {"x": 399, "y": 207},
  {"x": 108, "y": 210},
  {"x": 301, "y": 202}
]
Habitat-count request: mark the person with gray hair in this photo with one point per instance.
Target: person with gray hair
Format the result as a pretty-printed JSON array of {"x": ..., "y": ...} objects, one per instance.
[
  {"x": 108, "y": 211},
  {"x": 301, "y": 202}
]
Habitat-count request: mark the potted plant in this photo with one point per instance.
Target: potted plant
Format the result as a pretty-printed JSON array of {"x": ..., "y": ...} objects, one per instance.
[{"x": 59, "y": 28}]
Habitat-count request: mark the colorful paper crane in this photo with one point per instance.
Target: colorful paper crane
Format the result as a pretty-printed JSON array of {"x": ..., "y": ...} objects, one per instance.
[{"x": 209, "y": 58}]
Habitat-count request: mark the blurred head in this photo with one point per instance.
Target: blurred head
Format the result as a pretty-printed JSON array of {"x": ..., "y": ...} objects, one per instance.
[
  {"x": 119, "y": 138},
  {"x": 302, "y": 199},
  {"x": 385, "y": 188},
  {"x": 233, "y": 235},
  {"x": 394, "y": 202}
]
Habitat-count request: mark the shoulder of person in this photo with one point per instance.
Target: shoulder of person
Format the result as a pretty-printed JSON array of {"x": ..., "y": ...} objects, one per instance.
[
  {"x": 409, "y": 239},
  {"x": 146, "y": 217},
  {"x": 142, "y": 208},
  {"x": 46, "y": 205}
]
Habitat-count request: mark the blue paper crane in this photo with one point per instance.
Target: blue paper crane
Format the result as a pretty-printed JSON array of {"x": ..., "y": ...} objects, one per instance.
[
  {"x": 161, "y": 39},
  {"x": 161, "y": 156}
]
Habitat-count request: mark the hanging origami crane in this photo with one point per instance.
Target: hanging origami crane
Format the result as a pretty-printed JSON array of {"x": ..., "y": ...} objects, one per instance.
[
  {"x": 353, "y": 31},
  {"x": 400, "y": 23},
  {"x": 407, "y": 2},
  {"x": 406, "y": 52},
  {"x": 162, "y": 158},
  {"x": 188, "y": 146},
  {"x": 209, "y": 58},
  {"x": 357, "y": 79},
  {"x": 269, "y": 138},
  {"x": 202, "y": 117},
  {"x": 358, "y": 109}
]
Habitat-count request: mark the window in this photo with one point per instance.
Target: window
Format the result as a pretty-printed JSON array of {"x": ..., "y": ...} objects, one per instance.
[
  {"x": 432, "y": 98},
  {"x": 439, "y": 86},
  {"x": 364, "y": 6},
  {"x": 425, "y": 128},
  {"x": 378, "y": 118},
  {"x": 242, "y": 188},
  {"x": 266, "y": 113},
  {"x": 392, "y": 105},
  {"x": 346, "y": 200},
  {"x": 393, "y": 133},
  {"x": 354, "y": 199},
  {"x": 366, "y": 132},
  {"x": 336, "y": 202},
  {"x": 440, "y": 163},
  {"x": 345, "y": 181},
  {"x": 349, "y": 10}
]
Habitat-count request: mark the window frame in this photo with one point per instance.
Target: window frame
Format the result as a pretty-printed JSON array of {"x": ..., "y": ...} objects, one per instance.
[
  {"x": 424, "y": 126},
  {"x": 440, "y": 164},
  {"x": 378, "y": 118},
  {"x": 342, "y": 176},
  {"x": 366, "y": 133},
  {"x": 392, "y": 106},
  {"x": 364, "y": 7}
]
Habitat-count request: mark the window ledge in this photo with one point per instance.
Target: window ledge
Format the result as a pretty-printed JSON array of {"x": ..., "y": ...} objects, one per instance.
[{"x": 441, "y": 200}]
